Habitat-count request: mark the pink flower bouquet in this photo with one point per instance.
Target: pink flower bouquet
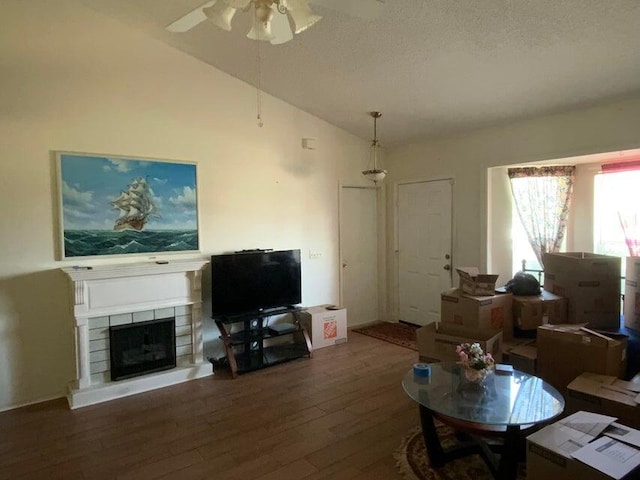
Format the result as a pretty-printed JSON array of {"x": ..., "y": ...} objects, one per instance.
[{"x": 476, "y": 363}]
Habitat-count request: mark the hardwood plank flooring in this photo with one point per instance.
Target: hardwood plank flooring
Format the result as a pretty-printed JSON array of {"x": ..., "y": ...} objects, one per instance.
[{"x": 339, "y": 415}]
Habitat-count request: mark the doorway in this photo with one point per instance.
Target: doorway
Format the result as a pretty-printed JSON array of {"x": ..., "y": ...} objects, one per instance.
[
  {"x": 424, "y": 248},
  {"x": 359, "y": 254}
]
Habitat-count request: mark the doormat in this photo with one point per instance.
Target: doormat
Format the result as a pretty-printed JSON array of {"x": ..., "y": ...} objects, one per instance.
[
  {"x": 401, "y": 334},
  {"x": 413, "y": 462}
]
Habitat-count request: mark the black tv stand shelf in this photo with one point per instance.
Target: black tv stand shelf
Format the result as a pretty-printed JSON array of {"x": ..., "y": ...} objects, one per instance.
[{"x": 245, "y": 348}]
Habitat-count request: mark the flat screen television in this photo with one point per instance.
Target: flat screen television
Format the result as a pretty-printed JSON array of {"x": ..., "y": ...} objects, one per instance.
[{"x": 254, "y": 281}]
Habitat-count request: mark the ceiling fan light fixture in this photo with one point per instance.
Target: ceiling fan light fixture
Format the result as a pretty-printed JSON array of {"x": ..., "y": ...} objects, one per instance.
[
  {"x": 220, "y": 14},
  {"x": 261, "y": 28},
  {"x": 301, "y": 14},
  {"x": 277, "y": 30}
]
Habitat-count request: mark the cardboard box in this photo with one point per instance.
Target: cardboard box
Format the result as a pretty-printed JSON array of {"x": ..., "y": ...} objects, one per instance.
[
  {"x": 607, "y": 395},
  {"x": 631, "y": 306},
  {"x": 566, "y": 351},
  {"x": 524, "y": 358},
  {"x": 325, "y": 327},
  {"x": 532, "y": 311},
  {"x": 591, "y": 284},
  {"x": 472, "y": 282},
  {"x": 549, "y": 459},
  {"x": 439, "y": 343},
  {"x": 489, "y": 312}
]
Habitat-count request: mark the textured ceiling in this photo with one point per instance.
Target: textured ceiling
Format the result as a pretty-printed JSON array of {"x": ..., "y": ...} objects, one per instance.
[{"x": 432, "y": 67}]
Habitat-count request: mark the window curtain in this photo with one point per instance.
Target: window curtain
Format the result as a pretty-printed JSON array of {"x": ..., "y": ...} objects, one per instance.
[
  {"x": 624, "y": 197},
  {"x": 542, "y": 196}
]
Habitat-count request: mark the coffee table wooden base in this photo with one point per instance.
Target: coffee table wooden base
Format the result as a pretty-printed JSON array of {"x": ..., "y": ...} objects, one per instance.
[{"x": 502, "y": 460}]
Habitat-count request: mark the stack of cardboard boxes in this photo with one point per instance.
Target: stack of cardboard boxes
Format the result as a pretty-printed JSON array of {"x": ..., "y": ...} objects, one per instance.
[
  {"x": 471, "y": 313},
  {"x": 557, "y": 335}
]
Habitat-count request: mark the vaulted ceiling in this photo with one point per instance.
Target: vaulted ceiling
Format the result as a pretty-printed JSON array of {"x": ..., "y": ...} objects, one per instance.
[{"x": 433, "y": 67}]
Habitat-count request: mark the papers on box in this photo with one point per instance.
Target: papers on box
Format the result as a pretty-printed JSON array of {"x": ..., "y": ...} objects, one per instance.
[
  {"x": 609, "y": 456},
  {"x": 584, "y": 445}
]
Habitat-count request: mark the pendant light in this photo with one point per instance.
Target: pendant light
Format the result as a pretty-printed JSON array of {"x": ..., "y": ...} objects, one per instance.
[{"x": 375, "y": 172}]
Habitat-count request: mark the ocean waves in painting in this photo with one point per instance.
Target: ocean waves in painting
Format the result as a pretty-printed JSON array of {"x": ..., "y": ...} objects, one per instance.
[{"x": 84, "y": 243}]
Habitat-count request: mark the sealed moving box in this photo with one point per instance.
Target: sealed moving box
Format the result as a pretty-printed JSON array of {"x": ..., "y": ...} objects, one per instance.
[
  {"x": 566, "y": 351},
  {"x": 591, "y": 284},
  {"x": 325, "y": 326},
  {"x": 532, "y": 311},
  {"x": 607, "y": 395},
  {"x": 439, "y": 343},
  {"x": 523, "y": 357},
  {"x": 487, "y": 312}
]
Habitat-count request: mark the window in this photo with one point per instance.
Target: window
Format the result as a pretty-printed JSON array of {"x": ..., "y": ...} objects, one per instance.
[
  {"x": 520, "y": 245},
  {"x": 616, "y": 195},
  {"x": 540, "y": 199}
]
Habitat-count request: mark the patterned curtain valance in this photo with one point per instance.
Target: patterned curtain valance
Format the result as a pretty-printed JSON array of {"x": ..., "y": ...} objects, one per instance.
[{"x": 528, "y": 172}]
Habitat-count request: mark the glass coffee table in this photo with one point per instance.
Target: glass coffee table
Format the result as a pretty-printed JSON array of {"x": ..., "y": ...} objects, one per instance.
[{"x": 506, "y": 407}]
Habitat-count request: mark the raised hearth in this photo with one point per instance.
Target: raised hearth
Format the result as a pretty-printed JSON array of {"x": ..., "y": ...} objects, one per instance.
[{"x": 106, "y": 297}]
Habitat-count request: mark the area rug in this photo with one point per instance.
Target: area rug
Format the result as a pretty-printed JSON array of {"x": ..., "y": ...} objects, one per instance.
[
  {"x": 413, "y": 462},
  {"x": 398, "y": 333}
]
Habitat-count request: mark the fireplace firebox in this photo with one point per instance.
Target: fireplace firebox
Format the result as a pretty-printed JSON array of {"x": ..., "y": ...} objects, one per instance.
[{"x": 142, "y": 347}]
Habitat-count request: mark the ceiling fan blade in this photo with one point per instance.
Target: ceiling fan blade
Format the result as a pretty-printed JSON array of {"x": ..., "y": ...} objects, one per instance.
[
  {"x": 280, "y": 27},
  {"x": 190, "y": 20},
  {"x": 365, "y": 9}
]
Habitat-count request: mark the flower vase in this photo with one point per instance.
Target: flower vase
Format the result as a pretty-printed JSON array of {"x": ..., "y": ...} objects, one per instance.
[
  {"x": 472, "y": 381},
  {"x": 475, "y": 376}
]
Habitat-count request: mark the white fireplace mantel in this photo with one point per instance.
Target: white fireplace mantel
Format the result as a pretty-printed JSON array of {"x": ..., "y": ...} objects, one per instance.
[{"x": 106, "y": 290}]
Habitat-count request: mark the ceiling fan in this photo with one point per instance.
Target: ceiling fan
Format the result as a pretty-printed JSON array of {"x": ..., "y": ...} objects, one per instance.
[{"x": 272, "y": 17}]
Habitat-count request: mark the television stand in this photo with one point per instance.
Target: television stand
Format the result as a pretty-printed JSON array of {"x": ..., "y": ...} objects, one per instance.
[{"x": 244, "y": 337}]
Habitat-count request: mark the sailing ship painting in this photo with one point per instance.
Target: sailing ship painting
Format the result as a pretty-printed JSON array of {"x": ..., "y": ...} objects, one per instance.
[
  {"x": 135, "y": 206},
  {"x": 114, "y": 205}
]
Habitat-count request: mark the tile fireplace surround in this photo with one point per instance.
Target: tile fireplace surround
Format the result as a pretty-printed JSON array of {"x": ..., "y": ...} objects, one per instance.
[{"x": 109, "y": 295}]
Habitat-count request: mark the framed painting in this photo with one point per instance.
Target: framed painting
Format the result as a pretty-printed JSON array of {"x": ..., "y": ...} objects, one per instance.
[{"x": 115, "y": 205}]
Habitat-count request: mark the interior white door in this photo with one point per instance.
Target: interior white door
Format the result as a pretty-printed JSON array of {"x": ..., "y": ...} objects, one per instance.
[
  {"x": 359, "y": 254},
  {"x": 424, "y": 249}
]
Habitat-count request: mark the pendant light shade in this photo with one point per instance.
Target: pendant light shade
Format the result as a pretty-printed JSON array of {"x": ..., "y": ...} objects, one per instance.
[
  {"x": 261, "y": 29},
  {"x": 375, "y": 172},
  {"x": 301, "y": 14},
  {"x": 220, "y": 14}
]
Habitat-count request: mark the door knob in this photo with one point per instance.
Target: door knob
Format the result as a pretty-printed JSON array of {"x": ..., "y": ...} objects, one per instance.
[
  {"x": 447, "y": 267},
  {"x": 344, "y": 265}
]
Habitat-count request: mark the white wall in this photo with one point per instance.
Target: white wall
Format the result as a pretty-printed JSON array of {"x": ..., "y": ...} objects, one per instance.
[
  {"x": 73, "y": 80},
  {"x": 466, "y": 158}
]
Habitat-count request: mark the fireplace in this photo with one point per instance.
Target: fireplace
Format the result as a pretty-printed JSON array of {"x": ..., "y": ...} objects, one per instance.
[
  {"x": 136, "y": 296},
  {"x": 141, "y": 348}
]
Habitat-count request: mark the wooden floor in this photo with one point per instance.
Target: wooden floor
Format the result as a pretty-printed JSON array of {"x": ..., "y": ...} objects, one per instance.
[{"x": 339, "y": 415}]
